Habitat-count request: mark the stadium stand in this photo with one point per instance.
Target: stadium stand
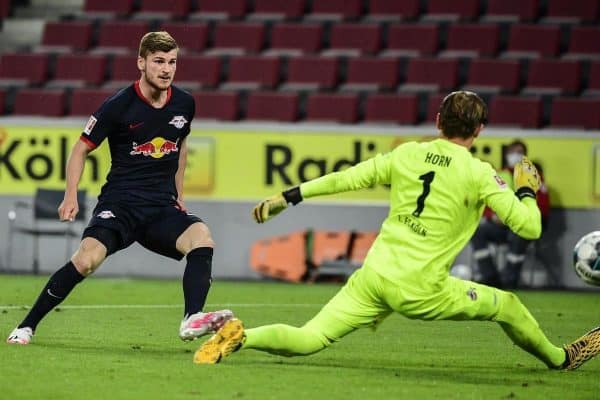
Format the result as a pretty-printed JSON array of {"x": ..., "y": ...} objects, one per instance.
[
  {"x": 191, "y": 36},
  {"x": 66, "y": 36},
  {"x": 252, "y": 72},
  {"x": 311, "y": 73},
  {"x": 234, "y": 38},
  {"x": 198, "y": 72},
  {"x": 334, "y": 10},
  {"x": 272, "y": 106},
  {"x": 23, "y": 69},
  {"x": 123, "y": 71},
  {"x": 353, "y": 40},
  {"x": 4, "y": 9},
  {"x": 532, "y": 41},
  {"x": 40, "y": 102},
  {"x": 492, "y": 76},
  {"x": 584, "y": 43},
  {"x": 78, "y": 70},
  {"x": 433, "y": 106},
  {"x": 522, "y": 112},
  {"x": 223, "y": 106},
  {"x": 326, "y": 107},
  {"x": 159, "y": 9},
  {"x": 219, "y": 10},
  {"x": 276, "y": 10},
  {"x": 431, "y": 75},
  {"x": 553, "y": 77},
  {"x": 85, "y": 101},
  {"x": 472, "y": 40},
  {"x": 411, "y": 40},
  {"x": 451, "y": 11},
  {"x": 371, "y": 74},
  {"x": 392, "y": 108},
  {"x": 575, "y": 113},
  {"x": 2, "y": 97},
  {"x": 593, "y": 86},
  {"x": 511, "y": 11},
  {"x": 381, "y": 11},
  {"x": 571, "y": 12},
  {"x": 107, "y": 9},
  {"x": 121, "y": 36},
  {"x": 295, "y": 39}
]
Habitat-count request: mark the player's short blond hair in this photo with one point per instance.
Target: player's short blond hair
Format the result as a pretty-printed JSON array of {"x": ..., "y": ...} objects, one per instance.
[
  {"x": 461, "y": 113},
  {"x": 156, "y": 41}
]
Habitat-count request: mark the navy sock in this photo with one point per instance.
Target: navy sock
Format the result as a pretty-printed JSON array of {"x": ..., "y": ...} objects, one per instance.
[
  {"x": 56, "y": 290},
  {"x": 197, "y": 279}
]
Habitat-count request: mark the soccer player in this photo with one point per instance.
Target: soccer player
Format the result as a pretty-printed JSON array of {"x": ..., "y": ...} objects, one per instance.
[
  {"x": 146, "y": 125},
  {"x": 437, "y": 194}
]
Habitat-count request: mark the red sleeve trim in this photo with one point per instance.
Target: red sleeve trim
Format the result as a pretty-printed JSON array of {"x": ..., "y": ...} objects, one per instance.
[{"x": 88, "y": 142}]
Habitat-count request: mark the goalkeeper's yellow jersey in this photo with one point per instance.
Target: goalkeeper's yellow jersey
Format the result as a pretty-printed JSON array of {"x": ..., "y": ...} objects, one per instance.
[{"x": 438, "y": 191}]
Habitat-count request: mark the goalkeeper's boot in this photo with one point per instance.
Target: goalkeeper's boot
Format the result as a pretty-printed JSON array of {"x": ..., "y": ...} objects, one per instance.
[
  {"x": 582, "y": 349},
  {"x": 201, "y": 323},
  {"x": 20, "y": 336},
  {"x": 227, "y": 340}
]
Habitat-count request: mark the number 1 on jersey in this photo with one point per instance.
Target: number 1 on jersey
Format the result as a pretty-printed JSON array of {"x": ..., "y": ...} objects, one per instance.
[{"x": 427, "y": 178}]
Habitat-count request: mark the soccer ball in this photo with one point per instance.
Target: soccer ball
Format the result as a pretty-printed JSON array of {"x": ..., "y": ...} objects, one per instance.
[{"x": 586, "y": 258}]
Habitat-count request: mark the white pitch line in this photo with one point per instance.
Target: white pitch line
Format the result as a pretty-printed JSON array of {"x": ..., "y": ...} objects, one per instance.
[{"x": 133, "y": 306}]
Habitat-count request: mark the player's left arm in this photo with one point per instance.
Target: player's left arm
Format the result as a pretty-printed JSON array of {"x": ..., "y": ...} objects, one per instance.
[{"x": 179, "y": 175}]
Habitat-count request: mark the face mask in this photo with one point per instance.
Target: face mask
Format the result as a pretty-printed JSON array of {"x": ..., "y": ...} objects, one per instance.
[{"x": 513, "y": 158}]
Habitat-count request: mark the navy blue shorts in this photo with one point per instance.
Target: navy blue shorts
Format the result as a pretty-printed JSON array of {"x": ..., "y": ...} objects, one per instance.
[{"x": 155, "y": 228}]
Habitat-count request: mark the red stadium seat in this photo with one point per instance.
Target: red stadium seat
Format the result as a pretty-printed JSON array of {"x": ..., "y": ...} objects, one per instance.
[
  {"x": 511, "y": 10},
  {"x": 160, "y": 9},
  {"x": 252, "y": 72},
  {"x": 522, "y": 112},
  {"x": 311, "y": 73},
  {"x": 196, "y": 72},
  {"x": 570, "y": 11},
  {"x": 433, "y": 106},
  {"x": 392, "y": 108},
  {"x": 444, "y": 10},
  {"x": 190, "y": 36},
  {"x": 548, "y": 76},
  {"x": 66, "y": 36},
  {"x": 107, "y": 8},
  {"x": 371, "y": 74},
  {"x": 272, "y": 106},
  {"x": 222, "y": 106},
  {"x": 232, "y": 38},
  {"x": 593, "y": 86},
  {"x": 532, "y": 41},
  {"x": 2, "y": 98},
  {"x": 392, "y": 11},
  {"x": 277, "y": 10},
  {"x": 584, "y": 43},
  {"x": 78, "y": 70},
  {"x": 40, "y": 102},
  {"x": 472, "y": 40},
  {"x": 124, "y": 71},
  {"x": 575, "y": 113},
  {"x": 295, "y": 39},
  {"x": 412, "y": 40},
  {"x": 85, "y": 101},
  {"x": 219, "y": 10},
  {"x": 431, "y": 75},
  {"x": 23, "y": 69},
  {"x": 341, "y": 108},
  {"x": 354, "y": 39},
  {"x": 120, "y": 36},
  {"x": 334, "y": 10},
  {"x": 493, "y": 76},
  {"x": 4, "y": 8}
]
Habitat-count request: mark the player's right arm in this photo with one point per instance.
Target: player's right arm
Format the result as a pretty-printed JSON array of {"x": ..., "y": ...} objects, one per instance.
[{"x": 69, "y": 207}]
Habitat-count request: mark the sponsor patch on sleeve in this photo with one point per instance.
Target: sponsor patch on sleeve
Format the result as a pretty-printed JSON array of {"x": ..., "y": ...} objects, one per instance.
[
  {"x": 90, "y": 125},
  {"x": 500, "y": 181}
]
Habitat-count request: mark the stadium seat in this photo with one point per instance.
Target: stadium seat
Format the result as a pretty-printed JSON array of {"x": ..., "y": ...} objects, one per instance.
[
  {"x": 433, "y": 106},
  {"x": 252, "y": 72},
  {"x": 196, "y": 72},
  {"x": 451, "y": 11},
  {"x": 276, "y": 10},
  {"x": 572, "y": 12},
  {"x": 272, "y": 106},
  {"x": 4, "y": 8},
  {"x": 353, "y": 40},
  {"x": 66, "y": 36},
  {"x": 431, "y": 75},
  {"x": 78, "y": 70},
  {"x": 371, "y": 74},
  {"x": 123, "y": 72},
  {"x": 511, "y": 11},
  {"x": 381, "y": 11},
  {"x": 334, "y": 10},
  {"x": 311, "y": 73},
  {"x": 392, "y": 108},
  {"x": 584, "y": 43},
  {"x": 522, "y": 112},
  {"x": 342, "y": 108},
  {"x": 40, "y": 102},
  {"x": 411, "y": 40},
  {"x": 190, "y": 36},
  {"x": 159, "y": 9},
  {"x": 472, "y": 40},
  {"x": 281, "y": 257},
  {"x": 593, "y": 84},
  {"x": 219, "y": 10},
  {"x": 109, "y": 9},
  {"x": 21, "y": 69},
  {"x": 85, "y": 101},
  {"x": 493, "y": 76},
  {"x": 233, "y": 38},
  {"x": 295, "y": 39},
  {"x": 120, "y": 37},
  {"x": 2, "y": 101},
  {"x": 547, "y": 76},
  {"x": 532, "y": 41},
  {"x": 575, "y": 113},
  {"x": 222, "y": 106}
]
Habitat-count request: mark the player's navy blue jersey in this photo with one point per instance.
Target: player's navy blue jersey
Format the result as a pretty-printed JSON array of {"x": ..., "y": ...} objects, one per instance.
[{"x": 144, "y": 144}]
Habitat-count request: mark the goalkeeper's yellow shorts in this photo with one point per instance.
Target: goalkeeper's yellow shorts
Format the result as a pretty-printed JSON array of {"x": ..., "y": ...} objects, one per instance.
[{"x": 368, "y": 298}]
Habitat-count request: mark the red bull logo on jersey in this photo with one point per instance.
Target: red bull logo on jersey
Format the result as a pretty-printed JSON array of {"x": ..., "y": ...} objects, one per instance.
[
  {"x": 178, "y": 121},
  {"x": 156, "y": 148}
]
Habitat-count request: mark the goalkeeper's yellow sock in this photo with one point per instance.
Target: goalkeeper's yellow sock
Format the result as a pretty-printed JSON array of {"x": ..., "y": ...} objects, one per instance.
[{"x": 285, "y": 340}]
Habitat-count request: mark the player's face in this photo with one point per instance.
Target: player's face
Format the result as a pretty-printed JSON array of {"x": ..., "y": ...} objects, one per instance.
[{"x": 158, "y": 69}]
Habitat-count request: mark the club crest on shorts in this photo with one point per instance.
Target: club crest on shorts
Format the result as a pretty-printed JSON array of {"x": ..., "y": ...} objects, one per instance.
[
  {"x": 178, "y": 121},
  {"x": 472, "y": 293},
  {"x": 106, "y": 214}
]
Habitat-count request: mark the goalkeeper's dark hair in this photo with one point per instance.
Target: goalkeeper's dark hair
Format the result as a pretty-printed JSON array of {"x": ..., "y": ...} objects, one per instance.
[{"x": 461, "y": 113}]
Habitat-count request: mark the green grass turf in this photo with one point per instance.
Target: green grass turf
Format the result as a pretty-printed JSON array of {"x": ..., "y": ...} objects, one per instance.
[{"x": 134, "y": 353}]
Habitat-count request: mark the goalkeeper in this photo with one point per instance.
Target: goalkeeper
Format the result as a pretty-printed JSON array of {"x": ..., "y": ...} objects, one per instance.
[{"x": 438, "y": 193}]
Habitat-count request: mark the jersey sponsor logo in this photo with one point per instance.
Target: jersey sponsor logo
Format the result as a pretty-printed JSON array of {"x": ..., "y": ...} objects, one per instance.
[
  {"x": 156, "y": 148},
  {"x": 178, "y": 121},
  {"x": 500, "y": 181},
  {"x": 106, "y": 214},
  {"x": 90, "y": 125},
  {"x": 134, "y": 126}
]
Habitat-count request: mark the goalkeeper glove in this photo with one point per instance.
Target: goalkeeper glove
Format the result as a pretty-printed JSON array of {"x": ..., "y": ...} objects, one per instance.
[
  {"x": 268, "y": 208},
  {"x": 527, "y": 179}
]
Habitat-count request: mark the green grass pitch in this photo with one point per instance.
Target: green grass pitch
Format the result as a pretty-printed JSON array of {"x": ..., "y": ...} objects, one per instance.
[{"x": 117, "y": 339}]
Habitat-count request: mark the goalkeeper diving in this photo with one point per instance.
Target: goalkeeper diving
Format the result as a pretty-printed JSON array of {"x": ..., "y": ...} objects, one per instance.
[{"x": 438, "y": 191}]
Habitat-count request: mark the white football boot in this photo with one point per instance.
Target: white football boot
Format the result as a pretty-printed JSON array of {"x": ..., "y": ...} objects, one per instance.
[
  {"x": 200, "y": 324},
  {"x": 20, "y": 336}
]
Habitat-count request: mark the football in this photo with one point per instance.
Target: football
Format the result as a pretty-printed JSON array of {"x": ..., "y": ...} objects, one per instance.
[{"x": 586, "y": 258}]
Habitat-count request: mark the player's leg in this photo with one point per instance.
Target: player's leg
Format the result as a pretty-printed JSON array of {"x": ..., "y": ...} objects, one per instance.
[
  {"x": 487, "y": 232},
  {"x": 517, "y": 248}
]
